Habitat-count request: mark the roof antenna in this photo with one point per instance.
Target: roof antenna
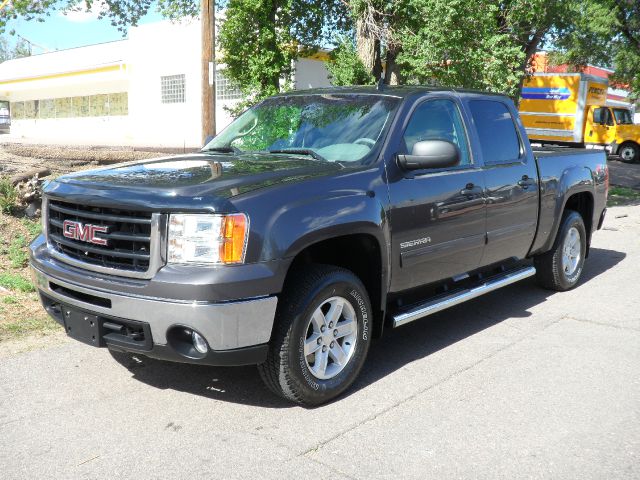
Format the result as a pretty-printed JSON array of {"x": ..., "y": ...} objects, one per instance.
[{"x": 380, "y": 85}]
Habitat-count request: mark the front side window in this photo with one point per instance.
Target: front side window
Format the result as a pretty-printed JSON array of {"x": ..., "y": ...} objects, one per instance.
[
  {"x": 499, "y": 140},
  {"x": 437, "y": 120},
  {"x": 332, "y": 127},
  {"x": 602, "y": 116}
]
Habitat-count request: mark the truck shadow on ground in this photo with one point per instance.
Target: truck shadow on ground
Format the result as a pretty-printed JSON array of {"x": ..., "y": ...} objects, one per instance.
[{"x": 395, "y": 350}]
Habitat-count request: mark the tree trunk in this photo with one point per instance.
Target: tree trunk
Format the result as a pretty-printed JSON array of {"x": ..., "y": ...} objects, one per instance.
[
  {"x": 368, "y": 48},
  {"x": 392, "y": 70},
  {"x": 530, "y": 50}
]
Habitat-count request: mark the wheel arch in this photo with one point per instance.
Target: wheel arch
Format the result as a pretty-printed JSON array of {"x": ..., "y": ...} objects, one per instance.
[{"x": 361, "y": 253}]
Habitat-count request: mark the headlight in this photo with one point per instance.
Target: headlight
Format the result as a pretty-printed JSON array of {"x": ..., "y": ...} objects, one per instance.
[{"x": 196, "y": 238}]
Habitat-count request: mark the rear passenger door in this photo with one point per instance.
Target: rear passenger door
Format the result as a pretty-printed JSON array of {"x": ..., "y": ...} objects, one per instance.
[
  {"x": 437, "y": 215},
  {"x": 511, "y": 180}
]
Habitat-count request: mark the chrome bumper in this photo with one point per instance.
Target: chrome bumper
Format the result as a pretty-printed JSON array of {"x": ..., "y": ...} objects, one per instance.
[{"x": 226, "y": 326}]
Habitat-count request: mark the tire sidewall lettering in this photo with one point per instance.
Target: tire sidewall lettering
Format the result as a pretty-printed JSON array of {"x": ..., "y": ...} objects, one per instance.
[
  {"x": 363, "y": 311},
  {"x": 303, "y": 367}
]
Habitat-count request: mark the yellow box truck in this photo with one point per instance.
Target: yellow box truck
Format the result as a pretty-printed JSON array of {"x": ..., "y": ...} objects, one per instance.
[{"x": 571, "y": 109}]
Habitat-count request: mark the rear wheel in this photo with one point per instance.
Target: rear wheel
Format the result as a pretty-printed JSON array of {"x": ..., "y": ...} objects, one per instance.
[
  {"x": 629, "y": 152},
  {"x": 560, "y": 268},
  {"x": 321, "y": 336}
]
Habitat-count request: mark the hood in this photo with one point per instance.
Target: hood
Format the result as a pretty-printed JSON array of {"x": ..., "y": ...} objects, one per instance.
[{"x": 207, "y": 179}]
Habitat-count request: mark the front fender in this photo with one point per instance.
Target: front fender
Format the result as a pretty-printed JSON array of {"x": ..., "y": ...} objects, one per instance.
[{"x": 298, "y": 226}]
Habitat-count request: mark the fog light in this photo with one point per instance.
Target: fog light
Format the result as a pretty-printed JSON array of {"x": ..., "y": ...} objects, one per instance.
[{"x": 199, "y": 342}]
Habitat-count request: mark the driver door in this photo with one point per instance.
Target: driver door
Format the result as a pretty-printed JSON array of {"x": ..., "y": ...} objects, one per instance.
[
  {"x": 437, "y": 215},
  {"x": 600, "y": 127}
]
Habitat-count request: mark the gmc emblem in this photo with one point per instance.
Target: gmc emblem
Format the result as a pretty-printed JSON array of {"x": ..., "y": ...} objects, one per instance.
[{"x": 84, "y": 233}]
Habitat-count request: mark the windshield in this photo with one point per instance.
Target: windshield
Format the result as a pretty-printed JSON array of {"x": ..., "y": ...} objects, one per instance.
[
  {"x": 337, "y": 128},
  {"x": 623, "y": 116}
]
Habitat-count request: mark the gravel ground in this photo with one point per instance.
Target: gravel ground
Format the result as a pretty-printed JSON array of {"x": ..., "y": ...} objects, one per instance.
[{"x": 520, "y": 383}]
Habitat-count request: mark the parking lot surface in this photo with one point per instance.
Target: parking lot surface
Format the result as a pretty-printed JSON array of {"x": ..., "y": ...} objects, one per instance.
[{"x": 521, "y": 383}]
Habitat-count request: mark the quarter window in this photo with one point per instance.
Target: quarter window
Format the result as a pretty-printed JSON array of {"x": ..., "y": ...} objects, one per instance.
[
  {"x": 437, "y": 120},
  {"x": 499, "y": 140}
]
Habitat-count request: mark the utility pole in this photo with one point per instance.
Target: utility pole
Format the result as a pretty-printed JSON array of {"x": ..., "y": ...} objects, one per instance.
[{"x": 208, "y": 32}]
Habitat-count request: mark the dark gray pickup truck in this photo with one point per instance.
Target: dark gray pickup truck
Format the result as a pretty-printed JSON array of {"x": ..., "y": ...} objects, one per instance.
[{"x": 313, "y": 222}]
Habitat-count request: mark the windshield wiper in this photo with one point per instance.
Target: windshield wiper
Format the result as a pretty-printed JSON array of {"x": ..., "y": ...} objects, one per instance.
[
  {"x": 227, "y": 149},
  {"x": 300, "y": 151}
]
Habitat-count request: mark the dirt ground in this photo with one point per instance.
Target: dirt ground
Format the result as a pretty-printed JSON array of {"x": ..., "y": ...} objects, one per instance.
[
  {"x": 17, "y": 158},
  {"x": 20, "y": 312}
]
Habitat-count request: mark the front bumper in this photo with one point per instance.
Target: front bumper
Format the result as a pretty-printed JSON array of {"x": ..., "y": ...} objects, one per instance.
[{"x": 237, "y": 331}]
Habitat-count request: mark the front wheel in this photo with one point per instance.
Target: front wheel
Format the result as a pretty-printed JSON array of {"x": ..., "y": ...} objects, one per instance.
[
  {"x": 629, "y": 152},
  {"x": 321, "y": 337},
  {"x": 560, "y": 268}
]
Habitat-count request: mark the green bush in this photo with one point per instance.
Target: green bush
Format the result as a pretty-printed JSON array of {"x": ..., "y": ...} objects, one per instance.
[{"x": 8, "y": 196}]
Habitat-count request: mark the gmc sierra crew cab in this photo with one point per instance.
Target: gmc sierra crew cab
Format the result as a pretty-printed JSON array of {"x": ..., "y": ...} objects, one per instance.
[{"x": 313, "y": 222}]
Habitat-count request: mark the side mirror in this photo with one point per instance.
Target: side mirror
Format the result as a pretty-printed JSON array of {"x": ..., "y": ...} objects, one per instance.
[{"x": 430, "y": 154}]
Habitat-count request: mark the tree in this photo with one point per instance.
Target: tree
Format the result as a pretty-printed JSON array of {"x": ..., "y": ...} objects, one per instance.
[
  {"x": 486, "y": 44},
  {"x": 605, "y": 32},
  {"x": 260, "y": 39},
  {"x": 345, "y": 66},
  {"x": 10, "y": 50}
]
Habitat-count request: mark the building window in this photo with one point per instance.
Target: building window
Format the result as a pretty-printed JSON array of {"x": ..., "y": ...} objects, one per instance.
[
  {"x": 100, "y": 105},
  {"x": 172, "y": 89},
  {"x": 225, "y": 90},
  {"x": 118, "y": 104}
]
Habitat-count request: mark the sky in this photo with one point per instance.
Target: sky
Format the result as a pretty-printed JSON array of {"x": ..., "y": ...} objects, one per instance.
[{"x": 74, "y": 29}]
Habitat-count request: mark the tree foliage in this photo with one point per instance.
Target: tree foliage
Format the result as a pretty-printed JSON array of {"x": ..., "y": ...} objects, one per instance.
[
  {"x": 10, "y": 49},
  {"x": 346, "y": 67},
  {"x": 260, "y": 39},
  {"x": 606, "y": 33},
  {"x": 484, "y": 44}
]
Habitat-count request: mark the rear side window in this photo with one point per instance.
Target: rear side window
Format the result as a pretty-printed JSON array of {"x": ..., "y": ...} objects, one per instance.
[{"x": 499, "y": 139}]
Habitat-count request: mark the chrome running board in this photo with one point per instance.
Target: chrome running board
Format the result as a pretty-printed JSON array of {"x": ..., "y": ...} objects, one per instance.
[{"x": 443, "y": 302}]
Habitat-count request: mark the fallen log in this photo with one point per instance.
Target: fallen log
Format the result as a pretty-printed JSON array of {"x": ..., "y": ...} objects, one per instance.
[{"x": 21, "y": 177}]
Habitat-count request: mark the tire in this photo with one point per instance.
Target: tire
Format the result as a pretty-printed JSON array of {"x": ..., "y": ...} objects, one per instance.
[
  {"x": 311, "y": 298},
  {"x": 629, "y": 152},
  {"x": 554, "y": 270}
]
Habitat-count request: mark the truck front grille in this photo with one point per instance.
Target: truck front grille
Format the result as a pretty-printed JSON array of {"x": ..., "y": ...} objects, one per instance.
[{"x": 128, "y": 236}]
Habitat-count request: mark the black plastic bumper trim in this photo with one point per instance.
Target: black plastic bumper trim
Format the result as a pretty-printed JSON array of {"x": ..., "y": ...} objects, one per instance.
[{"x": 253, "y": 355}]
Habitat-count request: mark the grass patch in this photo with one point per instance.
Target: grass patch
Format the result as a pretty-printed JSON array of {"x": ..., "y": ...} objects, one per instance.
[
  {"x": 9, "y": 300},
  {"x": 34, "y": 227},
  {"x": 8, "y": 196},
  {"x": 15, "y": 282},
  {"x": 622, "y": 196},
  {"x": 26, "y": 327},
  {"x": 17, "y": 252}
]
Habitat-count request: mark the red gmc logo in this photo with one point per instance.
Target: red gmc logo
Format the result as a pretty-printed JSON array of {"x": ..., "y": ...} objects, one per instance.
[{"x": 84, "y": 233}]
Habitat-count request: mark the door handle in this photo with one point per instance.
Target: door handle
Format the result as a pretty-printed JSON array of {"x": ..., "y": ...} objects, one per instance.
[
  {"x": 470, "y": 190},
  {"x": 526, "y": 182}
]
